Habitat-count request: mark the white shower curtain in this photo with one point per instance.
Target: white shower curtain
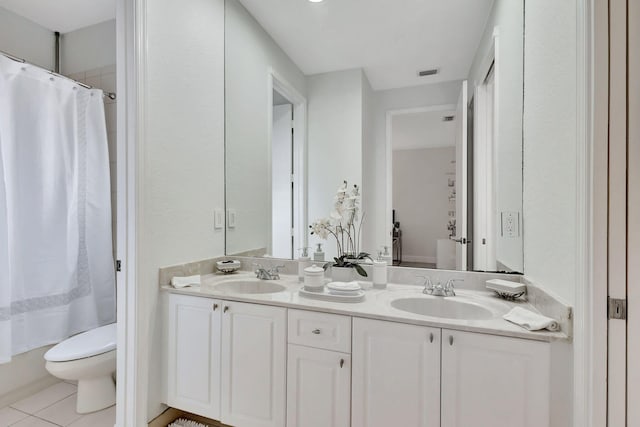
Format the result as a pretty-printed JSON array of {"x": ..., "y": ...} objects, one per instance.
[{"x": 56, "y": 266}]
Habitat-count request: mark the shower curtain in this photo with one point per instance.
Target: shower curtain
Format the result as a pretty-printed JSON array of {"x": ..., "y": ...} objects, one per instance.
[{"x": 56, "y": 266}]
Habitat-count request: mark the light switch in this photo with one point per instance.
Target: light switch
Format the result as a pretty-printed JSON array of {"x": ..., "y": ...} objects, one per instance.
[
  {"x": 218, "y": 219},
  {"x": 510, "y": 224},
  {"x": 231, "y": 218}
]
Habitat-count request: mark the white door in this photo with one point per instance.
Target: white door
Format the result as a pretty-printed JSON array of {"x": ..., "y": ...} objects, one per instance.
[
  {"x": 318, "y": 388},
  {"x": 253, "y": 365},
  {"x": 395, "y": 375},
  {"x": 484, "y": 217},
  {"x": 490, "y": 381},
  {"x": 461, "y": 179},
  {"x": 281, "y": 182},
  {"x": 193, "y": 355}
]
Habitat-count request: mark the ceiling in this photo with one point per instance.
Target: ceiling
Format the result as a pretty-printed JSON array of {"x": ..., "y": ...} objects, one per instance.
[
  {"x": 390, "y": 39},
  {"x": 414, "y": 131},
  {"x": 63, "y": 15}
]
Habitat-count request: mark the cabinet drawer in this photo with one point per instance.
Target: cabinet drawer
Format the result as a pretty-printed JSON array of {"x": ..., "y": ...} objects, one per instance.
[{"x": 320, "y": 330}]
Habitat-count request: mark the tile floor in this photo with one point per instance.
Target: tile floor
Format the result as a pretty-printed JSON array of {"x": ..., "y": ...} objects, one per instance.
[{"x": 51, "y": 407}]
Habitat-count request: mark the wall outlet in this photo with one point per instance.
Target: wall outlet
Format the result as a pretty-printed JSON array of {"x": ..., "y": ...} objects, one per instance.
[
  {"x": 231, "y": 218},
  {"x": 218, "y": 219},
  {"x": 510, "y": 224}
]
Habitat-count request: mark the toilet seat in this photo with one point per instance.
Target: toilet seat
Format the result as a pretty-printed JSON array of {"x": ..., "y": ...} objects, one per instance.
[{"x": 87, "y": 344}]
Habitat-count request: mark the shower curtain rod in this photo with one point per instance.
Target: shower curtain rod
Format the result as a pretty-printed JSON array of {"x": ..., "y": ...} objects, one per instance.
[{"x": 110, "y": 95}]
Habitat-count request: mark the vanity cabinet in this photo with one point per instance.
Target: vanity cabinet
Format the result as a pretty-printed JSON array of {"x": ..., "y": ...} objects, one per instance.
[
  {"x": 253, "y": 364},
  {"x": 396, "y": 375},
  {"x": 318, "y": 370},
  {"x": 226, "y": 360},
  {"x": 494, "y": 381},
  {"x": 193, "y": 355}
]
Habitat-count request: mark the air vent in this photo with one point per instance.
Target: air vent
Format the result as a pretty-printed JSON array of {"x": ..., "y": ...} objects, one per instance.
[
  {"x": 448, "y": 118},
  {"x": 428, "y": 72}
]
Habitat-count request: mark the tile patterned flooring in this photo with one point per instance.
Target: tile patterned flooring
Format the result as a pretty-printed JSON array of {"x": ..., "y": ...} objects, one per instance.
[{"x": 54, "y": 406}]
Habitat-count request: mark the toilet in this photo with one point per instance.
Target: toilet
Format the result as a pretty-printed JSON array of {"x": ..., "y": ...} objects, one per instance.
[{"x": 90, "y": 359}]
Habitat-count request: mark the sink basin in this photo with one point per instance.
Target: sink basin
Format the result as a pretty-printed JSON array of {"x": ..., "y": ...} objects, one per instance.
[
  {"x": 250, "y": 286},
  {"x": 446, "y": 308}
]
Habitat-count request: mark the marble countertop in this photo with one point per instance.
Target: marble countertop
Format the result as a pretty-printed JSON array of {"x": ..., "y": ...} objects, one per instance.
[{"x": 376, "y": 305}]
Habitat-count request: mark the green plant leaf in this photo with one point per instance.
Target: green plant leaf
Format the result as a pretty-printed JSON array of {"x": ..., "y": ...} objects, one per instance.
[{"x": 360, "y": 270}]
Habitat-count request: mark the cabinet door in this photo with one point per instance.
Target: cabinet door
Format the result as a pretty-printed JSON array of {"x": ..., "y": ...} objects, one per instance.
[
  {"x": 253, "y": 365},
  {"x": 490, "y": 381},
  {"x": 396, "y": 375},
  {"x": 193, "y": 355},
  {"x": 318, "y": 388}
]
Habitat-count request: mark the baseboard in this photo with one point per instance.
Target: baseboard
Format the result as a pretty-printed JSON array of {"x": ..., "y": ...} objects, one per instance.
[{"x": 27, "y": 390}]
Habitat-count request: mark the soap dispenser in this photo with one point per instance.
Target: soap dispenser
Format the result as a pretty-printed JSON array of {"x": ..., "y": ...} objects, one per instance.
[
  {"x": 318, "y": 255},
  {"x": 303, "y": 262},
  {"x": 385, "y": 256}
]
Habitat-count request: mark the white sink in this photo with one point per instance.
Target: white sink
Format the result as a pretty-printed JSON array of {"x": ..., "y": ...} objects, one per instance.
[
  {"x": 447, "y": 308},
  {"x": 250, "y": 286}
]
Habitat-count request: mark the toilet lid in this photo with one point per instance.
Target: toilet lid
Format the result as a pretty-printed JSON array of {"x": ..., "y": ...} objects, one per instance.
[{"x": 87, "y": 344}]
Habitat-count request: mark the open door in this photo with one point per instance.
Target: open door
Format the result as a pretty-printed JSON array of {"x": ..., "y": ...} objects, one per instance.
[
  {"x": 460, "y": 236},
  {"x": 282, "y": 190}
]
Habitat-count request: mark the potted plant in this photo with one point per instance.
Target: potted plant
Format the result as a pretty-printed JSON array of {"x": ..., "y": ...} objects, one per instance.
[{"x": 345, "y": 225}]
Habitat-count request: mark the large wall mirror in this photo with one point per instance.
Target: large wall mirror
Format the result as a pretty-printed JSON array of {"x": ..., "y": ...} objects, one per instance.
[{"x": 418, "y": 103}]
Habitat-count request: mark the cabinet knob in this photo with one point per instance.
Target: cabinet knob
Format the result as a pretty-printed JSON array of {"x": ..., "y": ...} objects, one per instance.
[
  {"x": 341, "y": 363},
  {"x": 226, "y": 308},
  {"x": 215, "y": 307},
  {"x": 450, "y": 339},
  {"x": 431, "y": 337},
  {"x": 316, "y": 331}
]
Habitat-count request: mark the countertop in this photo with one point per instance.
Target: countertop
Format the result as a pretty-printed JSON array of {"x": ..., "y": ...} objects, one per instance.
[{"x": 376, "y": 305}]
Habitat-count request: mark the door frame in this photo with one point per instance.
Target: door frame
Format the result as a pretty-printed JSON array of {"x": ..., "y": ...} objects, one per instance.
[
  {"x": 131, "y": 390},
  {"x": 275, "y": 81}
]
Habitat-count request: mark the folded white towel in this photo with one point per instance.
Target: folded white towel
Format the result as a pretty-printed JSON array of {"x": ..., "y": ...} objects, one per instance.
[
  {"x": 181, "y": 282},
  {"x": 530, "y": 320}
]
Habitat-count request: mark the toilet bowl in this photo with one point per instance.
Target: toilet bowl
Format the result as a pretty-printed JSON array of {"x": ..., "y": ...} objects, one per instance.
[{"x": 90, "y": 359}]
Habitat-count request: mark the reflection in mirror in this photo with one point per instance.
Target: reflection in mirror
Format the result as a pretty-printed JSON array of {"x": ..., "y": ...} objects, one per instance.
[{"x": 419, "y": 103}]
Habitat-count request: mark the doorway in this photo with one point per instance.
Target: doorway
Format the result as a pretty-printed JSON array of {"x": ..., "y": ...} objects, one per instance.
[{"x": 287, "y": 146}]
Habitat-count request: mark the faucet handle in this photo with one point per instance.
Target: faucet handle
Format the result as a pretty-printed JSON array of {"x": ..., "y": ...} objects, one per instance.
[
  {"x": 449, "y": 287},
  {"x": 428, "y": 285}
]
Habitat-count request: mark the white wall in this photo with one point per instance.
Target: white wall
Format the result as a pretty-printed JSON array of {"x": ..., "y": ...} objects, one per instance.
[
  {"x": 335, "y": 135},
  {"x": 180, "y": 175},
  {"x": 550, "y": 146},
  {"x": 26, "y": 39},
  {"x": 88, "y": 48},
  {"x": 421, "y": 199},
  {"x": 250, "y": 53},
  {"x": 368, "y": 158},
  {"x": 507, "y": 18},
  {"x": 376, "y": 228}
]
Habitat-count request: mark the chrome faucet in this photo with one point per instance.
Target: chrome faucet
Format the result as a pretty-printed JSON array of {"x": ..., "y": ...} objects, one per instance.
[
  {"x": 272, "y": 274},
  {"x": 439, "y": 290}
]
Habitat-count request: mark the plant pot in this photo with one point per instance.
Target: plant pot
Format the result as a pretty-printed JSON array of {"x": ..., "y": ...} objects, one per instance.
[{"x": 342, "y": 274}]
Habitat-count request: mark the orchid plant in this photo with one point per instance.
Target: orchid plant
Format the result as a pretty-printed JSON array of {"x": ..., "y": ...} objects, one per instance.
[{"x": 345, "y": 225}]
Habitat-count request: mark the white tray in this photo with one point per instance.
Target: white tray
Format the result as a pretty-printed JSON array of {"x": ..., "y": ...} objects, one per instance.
[{"x": 326, "y": 296}]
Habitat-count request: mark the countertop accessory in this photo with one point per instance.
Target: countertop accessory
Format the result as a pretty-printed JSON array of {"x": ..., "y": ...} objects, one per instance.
[
  {"x": 318, "y": 255},
  {"x": 181, "y": 282},
  {"x": 531, "y": 321},
  {"x": 314, "y": 279},
  {"x": 228, "y": 266},
  {"x": 506, "y": 289},
  {"x": 327, "y": 295},
  {"x": 303, "y": 262},
  {"x": 379, "y": 274}
]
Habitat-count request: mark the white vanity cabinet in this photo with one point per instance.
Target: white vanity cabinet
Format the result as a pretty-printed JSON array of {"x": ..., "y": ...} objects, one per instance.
[
  {"x": 253, "y": 379},
  {"x": 492, "y": 381},
  {"x": 318, "y": 370},
  {"x": 396, "y": 375},
  {"x": 226, "y": 360},
  {"x": 193, "y": 355}
]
